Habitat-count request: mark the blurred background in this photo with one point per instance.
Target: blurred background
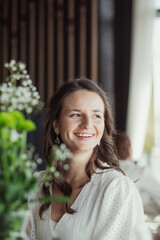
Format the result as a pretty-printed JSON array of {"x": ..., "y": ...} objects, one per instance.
[{"x": 115, "y": 43}]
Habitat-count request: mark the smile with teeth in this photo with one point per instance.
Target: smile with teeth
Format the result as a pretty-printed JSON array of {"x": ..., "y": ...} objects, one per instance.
[{"x": 84, "y": 135}]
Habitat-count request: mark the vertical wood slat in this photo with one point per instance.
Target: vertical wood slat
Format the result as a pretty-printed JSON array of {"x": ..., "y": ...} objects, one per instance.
[
  {"x": 83, "y": 11},
  {"x": 50, "y": 69},
  {"x": 32, "y": 29},
  {"x": 65, "y": 39},
  {"x": 94, "y": 41},
  {"x": 60, "y": 36},
  {"x": 45, "y": 74},
  {"x": 1, "y": 43},
  {"x": 77, "y": 38},
  {"x": 23, "y": 31},
  {"x": 9, "y": 28},
  {"x": 41, "y": 50},
  {"x": 5, "y": 37},
  {"x": 55, "y": 45},
  {"x": 18, "y": 28},
  {"x": 14, "y": 31},
  {"x": 88, "y": 38},
  {"x": 71, "y": 40},
  {"x": 36, "y": 43}
]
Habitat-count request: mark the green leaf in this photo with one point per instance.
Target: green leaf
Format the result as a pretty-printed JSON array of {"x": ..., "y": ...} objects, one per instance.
[{"x": 26, "y": 125}]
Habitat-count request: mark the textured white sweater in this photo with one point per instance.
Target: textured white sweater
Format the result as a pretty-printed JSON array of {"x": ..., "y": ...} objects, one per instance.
[
  {"x": 108, "y": 208},
  {"x": 147, "y": 184}
]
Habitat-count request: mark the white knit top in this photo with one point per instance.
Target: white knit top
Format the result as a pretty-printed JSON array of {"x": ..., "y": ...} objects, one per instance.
[{"x": 108, "y": 208}]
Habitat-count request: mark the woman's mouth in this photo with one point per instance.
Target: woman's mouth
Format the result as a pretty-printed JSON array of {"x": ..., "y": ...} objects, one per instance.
[{"x": 84, "y": 135}]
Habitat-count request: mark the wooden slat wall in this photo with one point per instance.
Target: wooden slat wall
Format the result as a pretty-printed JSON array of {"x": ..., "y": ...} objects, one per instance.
[{"x": 57, "y": 39}]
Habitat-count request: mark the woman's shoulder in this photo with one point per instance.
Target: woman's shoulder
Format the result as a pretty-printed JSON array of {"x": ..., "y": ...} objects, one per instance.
[{"x": 113, "y": 178}]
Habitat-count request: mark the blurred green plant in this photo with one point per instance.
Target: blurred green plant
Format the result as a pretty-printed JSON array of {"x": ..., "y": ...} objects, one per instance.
[{"x": 18, "y": 163}]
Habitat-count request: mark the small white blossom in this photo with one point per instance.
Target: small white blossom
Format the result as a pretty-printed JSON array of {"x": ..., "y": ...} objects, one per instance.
[
  {"x": 6, "y": 65},
  {"x": 20, "y": 107},
  {"x": 14, "y": 68},
  {"x": 34, "y": 165},
  {"x": 29, "y": 81},
  {"x": 24, "y": 156},
  {"x": 27, "y": 76},
  {"x": 24, "y": 71},
  {"x": 4, "y": 97},
  {"x": 52, "y": 169},
  {"x": 22, "y": 66},
  {"x": 28, "y": 164},
  {"x": 46, "y": 184},
  {"x": 36, "y": 174},
  {"x": 66, "y": 167},
  {"x": 57, "y": 174},
  {"x": 39, "y": 160},
  {"x": 12, "y": 62},
  {"x": 14, "y": 136},
  {"x": 24, "y": 84},
  {"x": 29, "y": 110}
]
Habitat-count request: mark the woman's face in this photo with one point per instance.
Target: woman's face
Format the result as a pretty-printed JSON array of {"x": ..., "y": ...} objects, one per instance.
[{"x": 81, "y": 121}]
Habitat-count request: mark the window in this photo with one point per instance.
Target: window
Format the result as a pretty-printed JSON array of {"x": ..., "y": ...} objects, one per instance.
[{"x": 152, "y": 141}]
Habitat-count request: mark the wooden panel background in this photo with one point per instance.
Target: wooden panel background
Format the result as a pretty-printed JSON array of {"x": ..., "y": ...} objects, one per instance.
[{"x": 57, "y": 39}]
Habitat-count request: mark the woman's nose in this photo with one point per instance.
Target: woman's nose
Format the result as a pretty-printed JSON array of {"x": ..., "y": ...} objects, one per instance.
[{"x": 87, "y": 122}]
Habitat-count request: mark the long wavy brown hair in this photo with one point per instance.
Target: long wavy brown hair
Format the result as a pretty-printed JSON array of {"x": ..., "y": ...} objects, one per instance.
[{"x": 105, "y": 152}]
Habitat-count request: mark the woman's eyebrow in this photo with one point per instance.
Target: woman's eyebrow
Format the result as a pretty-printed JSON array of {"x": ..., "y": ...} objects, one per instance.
[
  {"x": 78, "y": 110},
  {"x": 73, "y": 110},
  {"x": 98, "y": 111}
]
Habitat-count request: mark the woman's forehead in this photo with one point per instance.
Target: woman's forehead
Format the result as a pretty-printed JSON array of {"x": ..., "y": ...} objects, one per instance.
[{"x": 84, "y": 99}]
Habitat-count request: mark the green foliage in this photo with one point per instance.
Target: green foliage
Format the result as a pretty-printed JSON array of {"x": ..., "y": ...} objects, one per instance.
[{"x": 17, "y": 164}]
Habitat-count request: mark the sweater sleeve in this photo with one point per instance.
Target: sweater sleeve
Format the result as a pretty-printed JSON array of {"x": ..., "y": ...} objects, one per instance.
[{"x": 121, "y": 214}]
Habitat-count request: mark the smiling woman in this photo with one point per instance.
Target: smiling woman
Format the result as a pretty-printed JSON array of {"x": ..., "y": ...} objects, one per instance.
[
  {"x": 104, "y": 204},
  {"x": 81, "y": 122}
]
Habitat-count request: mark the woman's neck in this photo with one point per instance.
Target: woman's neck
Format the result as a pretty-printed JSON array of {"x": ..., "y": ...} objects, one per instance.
[{"x": 77, "y": 170}]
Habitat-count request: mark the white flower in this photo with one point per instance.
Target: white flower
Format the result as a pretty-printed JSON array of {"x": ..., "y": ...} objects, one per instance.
[
  {"x": 14, "y": 100},
  {"x": 21, "y": 97},
  {"x": 4, "y": 97},
  {"x": 14, "y": 136},
  {"x": 12, "y": 62},
  {"x": 29, "y": 81},
  {"x": 24, "y": 71},
  {"x": 29, "y": 110},
  {"x": 57, "y": 174},
  {"x": 39, "y": 160},
  {"x": 34, "y": 102},
  {"x": 52, "y": 169},
  {"x": 22, "y": 66},
  {"x": 24, "y": 156},
  {"x": 34, "y": 165},
  {"x": 66, "y": 167},
  {"x": 6, "y": 65},
  {"x": 20, "y": 107},
  {"x": 24, "y": 84},
  {"x": 14, "y": 68},
  {"x": 27, "y": 76}
]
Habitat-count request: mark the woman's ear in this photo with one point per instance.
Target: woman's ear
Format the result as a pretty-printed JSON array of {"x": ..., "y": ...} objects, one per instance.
[{"x": 56, "y": 127}]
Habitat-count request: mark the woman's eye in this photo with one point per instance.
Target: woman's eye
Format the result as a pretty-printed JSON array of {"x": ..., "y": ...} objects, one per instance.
[
  {"x": 97, "y": 116},
  {"x": 76, "y": 115}
]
